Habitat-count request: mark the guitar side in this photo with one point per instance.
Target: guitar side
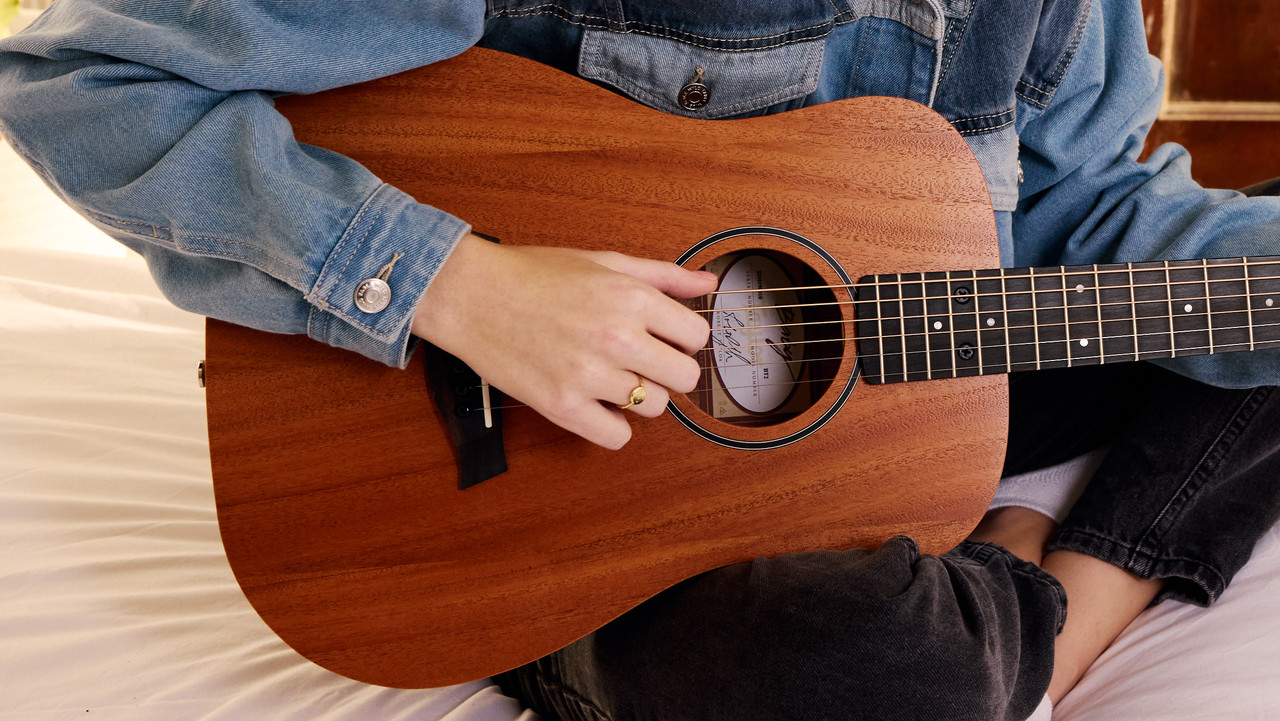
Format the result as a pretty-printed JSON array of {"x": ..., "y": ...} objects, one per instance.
[{"x": 335, "y": 483}]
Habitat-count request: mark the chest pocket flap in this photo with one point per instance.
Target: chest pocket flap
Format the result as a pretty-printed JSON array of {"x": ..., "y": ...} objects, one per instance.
[{"x": 654, "y": 70}]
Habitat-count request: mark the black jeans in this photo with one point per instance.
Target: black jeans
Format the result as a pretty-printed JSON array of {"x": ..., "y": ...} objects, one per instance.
[
  {"x": 1191, "y": 481},
  {"x": 1186, "y": 490}
]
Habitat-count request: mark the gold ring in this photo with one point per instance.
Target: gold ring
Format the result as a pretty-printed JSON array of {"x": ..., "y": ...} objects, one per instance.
[{"x": 637, "y": 394}]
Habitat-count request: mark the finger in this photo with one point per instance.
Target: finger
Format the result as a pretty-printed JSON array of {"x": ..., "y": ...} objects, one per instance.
[
  {"x": 602, "y": 425},
  {"x": 654, "y": 359},
  {"x": 673, "y": 280},
  {"x": 677, "y": 325}
]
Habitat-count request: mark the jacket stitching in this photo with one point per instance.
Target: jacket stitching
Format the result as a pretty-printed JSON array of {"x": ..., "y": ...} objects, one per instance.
[
  {"x": 342, "y": 241},
  {"x": 1054, "y": 77},
  {"x": 978, "y": 131},
  {"x": 801, "y": 85},
  {"x": 981, "y": 117},
  {"x": 1077, "y": 36},
  {"x": 650, "y": 29},
  {"x": 655, "y": 99},
  {"x": 955, "y": 47},
  {"x": 354, "y": 251},
  {"x": 1039, "y": 104}
]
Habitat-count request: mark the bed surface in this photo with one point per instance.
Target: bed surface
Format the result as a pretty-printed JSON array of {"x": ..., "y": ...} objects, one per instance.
[{"x": 116, "y": 601}]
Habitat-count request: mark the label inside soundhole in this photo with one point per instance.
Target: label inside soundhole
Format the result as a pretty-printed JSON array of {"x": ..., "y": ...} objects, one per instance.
[
  {"x": 756, "y": 346},
  {"x": 777, "y": 345},
  {"x": 775, "y": 339}
]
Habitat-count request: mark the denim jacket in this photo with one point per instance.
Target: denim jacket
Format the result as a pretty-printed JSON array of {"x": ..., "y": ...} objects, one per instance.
[{"x": 155, "y": 120}]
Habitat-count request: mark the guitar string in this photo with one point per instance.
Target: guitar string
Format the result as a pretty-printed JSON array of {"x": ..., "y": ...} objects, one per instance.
[
  {"x": 690, "y": 393},
  {"x": 1096, "y": 304},
  {"x": 1008, "y": 366},
  {"x": 1007, "y": 345},
  {"x": 1035, "y": 324},
  {"x": 1002, "y": 294},
  {"x": 995, "y": 328},
  {"x": 1063, "y": 272}
]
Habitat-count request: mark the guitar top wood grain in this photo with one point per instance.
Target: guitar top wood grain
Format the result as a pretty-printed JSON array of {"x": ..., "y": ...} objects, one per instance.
[{"x": 336, "y": 486}]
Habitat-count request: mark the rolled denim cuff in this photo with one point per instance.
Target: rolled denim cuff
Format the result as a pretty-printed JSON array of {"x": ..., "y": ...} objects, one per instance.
[
  {"x": 1186, "y": 580},
  {"x": 390, "y": 223},
  {"x": 987, "y": 553}
]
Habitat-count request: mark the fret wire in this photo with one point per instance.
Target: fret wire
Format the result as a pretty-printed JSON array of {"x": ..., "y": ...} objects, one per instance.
[
  {"x": 1204, "y": 268},
  {"x": 1168, "y": 294},
  {"x": 1004, "y": 306},
  {"x": 1097, "y": 309},
  {"x": 924, "y": 300},
  {"x": 1248, "y": 294},
  {"x": 880, "y": 326},
  {"x": 951, "y": 325},
  {"x": 1133, "y": 310},
  {"x": 902, "y": 327},
  {"x": 1035, "y": 319},
  {"x": 859, "y": 320},
  {"x": 977, "y": 328},
  {"x": 1066, "y": 318}
]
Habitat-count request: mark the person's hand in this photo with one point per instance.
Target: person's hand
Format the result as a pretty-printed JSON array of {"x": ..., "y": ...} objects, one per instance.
[{"x": 569, "y": 332}]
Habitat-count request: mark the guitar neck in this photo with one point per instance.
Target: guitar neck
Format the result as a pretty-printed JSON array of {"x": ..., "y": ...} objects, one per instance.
[{"x": 920, "y": 326}]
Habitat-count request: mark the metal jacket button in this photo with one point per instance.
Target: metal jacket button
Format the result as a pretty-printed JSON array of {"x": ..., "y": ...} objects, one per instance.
[
  {"x": 373, "y": 295},
  {"x": 694, "y": 94}
]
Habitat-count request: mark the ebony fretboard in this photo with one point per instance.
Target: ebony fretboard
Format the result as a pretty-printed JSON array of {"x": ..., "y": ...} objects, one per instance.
[{"x": 918, "y": 326}]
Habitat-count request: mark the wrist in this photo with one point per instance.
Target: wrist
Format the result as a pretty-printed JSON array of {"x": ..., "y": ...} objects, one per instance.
[{"x": 439, "y": 314}]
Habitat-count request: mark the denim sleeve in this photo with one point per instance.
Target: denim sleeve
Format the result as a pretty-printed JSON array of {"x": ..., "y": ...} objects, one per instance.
[
  {"x": 1085, "y": 198},
  {"x": 156, "y": 121}
]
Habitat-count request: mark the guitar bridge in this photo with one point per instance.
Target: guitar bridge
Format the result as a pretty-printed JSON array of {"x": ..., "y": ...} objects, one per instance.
[{"x": 470, "y": 409}]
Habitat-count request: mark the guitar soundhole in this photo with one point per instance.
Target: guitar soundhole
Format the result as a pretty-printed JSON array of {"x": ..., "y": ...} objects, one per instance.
[{"x": 775, "y": 339}]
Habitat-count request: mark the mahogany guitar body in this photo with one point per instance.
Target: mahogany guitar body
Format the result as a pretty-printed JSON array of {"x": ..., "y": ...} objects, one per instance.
[{"x": 337, "y": 487}]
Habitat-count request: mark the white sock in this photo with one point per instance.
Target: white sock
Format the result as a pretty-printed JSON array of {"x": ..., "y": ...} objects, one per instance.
[
  {"x": 1043, "y": 712},
  {"x": 1051, "y": 491}
]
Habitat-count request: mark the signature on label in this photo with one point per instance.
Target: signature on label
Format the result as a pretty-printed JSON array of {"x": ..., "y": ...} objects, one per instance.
[{"x": 758, "y": 343}]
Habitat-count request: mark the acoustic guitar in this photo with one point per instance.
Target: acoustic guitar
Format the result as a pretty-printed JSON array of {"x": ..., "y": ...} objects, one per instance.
[{"x": 398, "y": 528}]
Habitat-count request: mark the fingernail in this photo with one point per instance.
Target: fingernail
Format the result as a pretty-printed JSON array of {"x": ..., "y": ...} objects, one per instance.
[{"x": 707, "y": 274}]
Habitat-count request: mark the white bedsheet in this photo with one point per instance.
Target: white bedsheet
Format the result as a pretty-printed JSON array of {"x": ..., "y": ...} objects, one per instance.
[{"x": 116, "y": 601}]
